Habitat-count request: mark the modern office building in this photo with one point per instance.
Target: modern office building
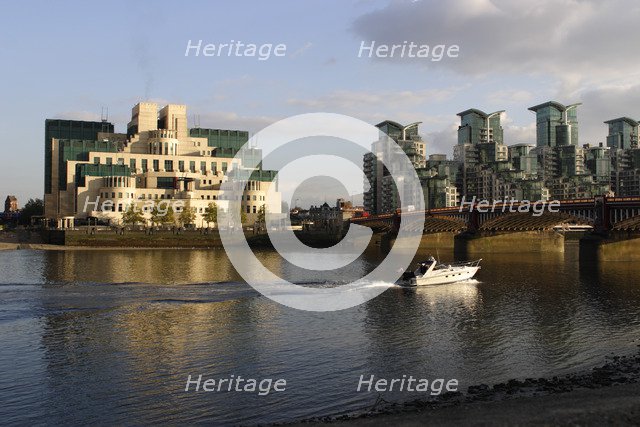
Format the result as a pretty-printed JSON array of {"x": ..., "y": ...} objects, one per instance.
[{"x": 159, "y": 159}]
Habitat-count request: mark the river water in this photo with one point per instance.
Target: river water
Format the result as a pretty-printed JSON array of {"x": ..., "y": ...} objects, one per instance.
[{"x": 110, "y": 337}]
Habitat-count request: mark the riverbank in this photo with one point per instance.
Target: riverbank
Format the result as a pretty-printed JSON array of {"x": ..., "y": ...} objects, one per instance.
[
  {"x": 608, "y": 394},
  {"x": 65, "y": 240}
]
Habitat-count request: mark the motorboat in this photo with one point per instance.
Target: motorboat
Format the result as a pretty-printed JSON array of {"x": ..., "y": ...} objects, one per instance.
[{"x": 431, "y": 272}]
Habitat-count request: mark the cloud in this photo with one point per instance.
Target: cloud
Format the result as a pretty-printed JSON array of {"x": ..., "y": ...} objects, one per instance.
[
  {"x": 442, "y": 141},
  {"x": 510, "y": 96},
  {"x": 349, "y": 101},
  {"x": 579, "y": 41},
  {"x": 604, "y": 103},
  {"x": 515, "y": 134}
]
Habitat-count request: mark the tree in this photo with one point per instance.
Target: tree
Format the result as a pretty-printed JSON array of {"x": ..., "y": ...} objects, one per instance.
[
  {"x": 132, "y": 216},
  {"x": 262, "y": 217},
  {"x": 262, "y": 214},
  {"x": 187, "y": 216},
  {"x": 156, "y": 215},
  {"x": 32, "y": 208},
  {"x": 211, "y": 213},
  {"x": 243, "y": 216},
  {"x": 169, "y": 217}
]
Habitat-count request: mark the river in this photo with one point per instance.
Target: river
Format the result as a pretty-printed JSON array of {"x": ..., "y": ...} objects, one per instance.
[{"x": 111, "y": 336}]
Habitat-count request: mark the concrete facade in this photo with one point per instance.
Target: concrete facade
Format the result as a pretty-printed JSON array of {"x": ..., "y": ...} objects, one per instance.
[{"x": 156, "y": 161}]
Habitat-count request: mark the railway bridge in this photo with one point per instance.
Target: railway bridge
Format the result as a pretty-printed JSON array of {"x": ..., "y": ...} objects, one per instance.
[
  {"x": 609, "y": 227},
  {"x": 601, "y": 214}
]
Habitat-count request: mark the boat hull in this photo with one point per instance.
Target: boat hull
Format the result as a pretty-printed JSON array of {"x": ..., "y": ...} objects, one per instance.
[{"x": 442, "y": 277}]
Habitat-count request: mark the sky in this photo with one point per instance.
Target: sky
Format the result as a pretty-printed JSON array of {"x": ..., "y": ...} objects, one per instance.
[{"x": 70, "y": 59}]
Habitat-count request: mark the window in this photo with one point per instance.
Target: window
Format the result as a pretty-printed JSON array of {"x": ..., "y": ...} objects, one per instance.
[
  {"x": 181, "y": 165},
  {"x": 248, "y": 209},
  {"x": 121, "y": 161},
  {"x": 214, "y": 167},
  {"x": 96, "y": 160},
  {"x": 119, "y": 195},
  {"x": 224, "y": 167},
  {"x": 168, "y": 165},
  {"x": 254, "y": 198},
  {"x": 132, "y": 163},
  {"x": 109, "y": 160},
  {"x": 192, "y": 167},
  {"x": 156, "y": 165},
  {"x": 165, "y": 182},
  {"x": 254, "y": 209},
  {"x": 203, "y": 167},
  {"x": 144, "y": 165}
]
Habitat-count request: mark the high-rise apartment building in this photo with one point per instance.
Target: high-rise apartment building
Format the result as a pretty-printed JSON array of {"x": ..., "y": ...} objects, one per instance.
[
  {"x": 478, "y": 127},
  {"x": 382, "y": 194},
  {"x": 556, "y": 124},
  {"x": 623, "y": 133}
]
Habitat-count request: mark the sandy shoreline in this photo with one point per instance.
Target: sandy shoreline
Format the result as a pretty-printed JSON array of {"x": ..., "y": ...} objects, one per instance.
[{"x": 608, "y": 394}]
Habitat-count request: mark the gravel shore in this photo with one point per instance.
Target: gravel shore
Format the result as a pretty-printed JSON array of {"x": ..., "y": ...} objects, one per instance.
[{"x": 606, "y": 395}]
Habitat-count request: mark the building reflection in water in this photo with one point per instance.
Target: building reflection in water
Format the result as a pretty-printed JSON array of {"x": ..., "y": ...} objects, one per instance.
[{"x": 118, "y": 332}]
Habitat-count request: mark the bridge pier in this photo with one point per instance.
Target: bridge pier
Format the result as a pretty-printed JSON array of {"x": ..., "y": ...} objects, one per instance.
[
  {"x": 613, "y": 246},
  {"x": 429, "y": 241},
  {"x": 467, "y": 244}
]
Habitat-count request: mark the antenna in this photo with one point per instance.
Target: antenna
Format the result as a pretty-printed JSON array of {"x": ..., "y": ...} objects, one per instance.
[{"x": 104, "y": 118}]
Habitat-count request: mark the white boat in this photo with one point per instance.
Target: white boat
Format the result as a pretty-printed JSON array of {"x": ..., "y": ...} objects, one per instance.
[{"x": 430, "y": 272}]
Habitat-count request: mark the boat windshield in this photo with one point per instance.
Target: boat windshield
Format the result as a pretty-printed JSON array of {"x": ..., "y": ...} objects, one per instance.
[{"x": 424, "y": 266}]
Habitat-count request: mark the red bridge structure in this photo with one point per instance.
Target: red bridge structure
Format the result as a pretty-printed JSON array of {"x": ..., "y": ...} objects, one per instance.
[{"x": 602, "y": 214}]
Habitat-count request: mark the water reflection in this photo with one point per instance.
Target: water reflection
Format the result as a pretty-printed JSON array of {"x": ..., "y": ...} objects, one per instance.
[{"x": 110, "y": 336}]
